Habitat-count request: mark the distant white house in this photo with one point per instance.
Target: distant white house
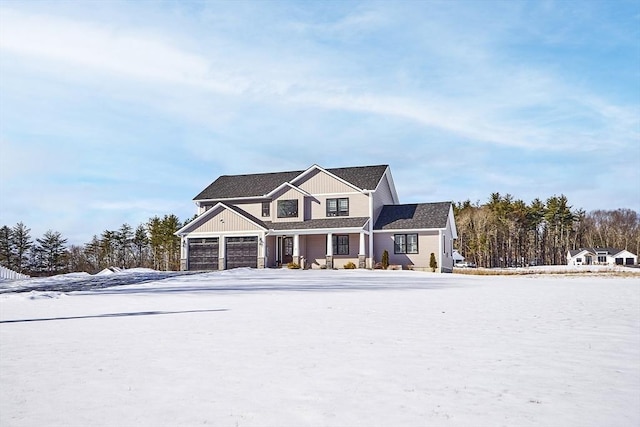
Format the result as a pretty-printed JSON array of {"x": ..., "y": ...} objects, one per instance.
[{"x": 601, "y": 256}]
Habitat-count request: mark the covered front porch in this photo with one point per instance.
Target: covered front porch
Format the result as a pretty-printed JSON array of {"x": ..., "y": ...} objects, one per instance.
[{"x": 315, "y": 249}]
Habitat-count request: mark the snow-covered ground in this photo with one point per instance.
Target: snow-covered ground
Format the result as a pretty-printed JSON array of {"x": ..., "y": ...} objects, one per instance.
[{"x": 324, "y": 348}]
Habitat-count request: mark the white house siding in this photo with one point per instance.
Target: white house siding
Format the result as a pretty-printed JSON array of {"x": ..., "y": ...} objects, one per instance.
[
  {"x": 446, "y": 260},
  {"x": 382, "y": 196},
  {"x": 316, "y": 250},
  {"x": 358, "y": 204},
  {"x": 339, "y": 261},
  {"x": 319, "y": 182},
  {"x": 253, "y": 208},
  {"x": 428, "y": 242}
]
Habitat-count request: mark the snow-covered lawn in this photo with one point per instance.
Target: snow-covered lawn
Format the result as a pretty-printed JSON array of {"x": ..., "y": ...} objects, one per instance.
[{"x": 325, "y": 348}]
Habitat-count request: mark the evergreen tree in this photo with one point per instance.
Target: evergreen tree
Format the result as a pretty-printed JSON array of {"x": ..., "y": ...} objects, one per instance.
[
  {"x": 20, "y": 244},
  {"x": 123, "y": 239},
  {"x": 139, "y": 245},
  {"x": 5, "y": 246},
  {"x": 52, "y": 247}
]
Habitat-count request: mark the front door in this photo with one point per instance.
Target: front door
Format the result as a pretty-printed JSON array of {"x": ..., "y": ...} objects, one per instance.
[{"x": 287, "y": 250}]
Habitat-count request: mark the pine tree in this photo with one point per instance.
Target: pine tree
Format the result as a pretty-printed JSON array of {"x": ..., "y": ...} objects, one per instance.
[
  {"x": 5, "y": 246},
  {"x": 20, "y": 244},
  {"x": 52, "y": 247}
]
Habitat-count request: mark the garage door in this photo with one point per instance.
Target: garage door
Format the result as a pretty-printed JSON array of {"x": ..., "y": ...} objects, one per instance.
[
  {"x": 242, "y": 252},
  {"x": 203, "y": 254}
]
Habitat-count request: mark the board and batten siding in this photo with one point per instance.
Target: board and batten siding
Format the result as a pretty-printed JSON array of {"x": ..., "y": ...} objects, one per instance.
[
  {"x": 225, "y": 221},
  {"x": 320, "y": 182}
]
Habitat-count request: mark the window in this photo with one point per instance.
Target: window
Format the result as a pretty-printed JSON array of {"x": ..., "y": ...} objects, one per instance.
[
  {"x": 341, "y": 245},
  {"x": 287, "y": 208},
  {"x": 602, "y": 259},
  {"x": 338, "y": 207},
  {"x": 405, "y": 243},
  {"x": 266, "y": 209}
]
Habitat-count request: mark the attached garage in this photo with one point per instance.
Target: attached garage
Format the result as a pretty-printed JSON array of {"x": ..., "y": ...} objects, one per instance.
[
  {"x": 203, "y": 254},
  {"x": 242, "y": 252}
]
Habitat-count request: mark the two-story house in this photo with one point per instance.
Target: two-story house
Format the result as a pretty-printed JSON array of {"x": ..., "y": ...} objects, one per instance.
[{"x": 316, "y": 218}]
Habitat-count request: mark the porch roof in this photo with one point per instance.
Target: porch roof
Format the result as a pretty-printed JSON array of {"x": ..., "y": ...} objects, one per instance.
[{"x": 322, "y": 223}]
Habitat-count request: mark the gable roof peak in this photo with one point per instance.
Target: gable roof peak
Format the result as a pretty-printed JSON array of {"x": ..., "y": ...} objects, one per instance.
[{"x": 261, "y": 184}]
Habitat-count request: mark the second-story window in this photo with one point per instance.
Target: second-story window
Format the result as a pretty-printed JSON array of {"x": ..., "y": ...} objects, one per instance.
[
  {"x": 287, "y": 208},
  {"x": 338, "y": 207},
  {"x": 266, "y": 209}
]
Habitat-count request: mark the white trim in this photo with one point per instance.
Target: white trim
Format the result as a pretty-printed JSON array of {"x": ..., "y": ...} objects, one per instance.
[
  {"x": 408, "y": 230},
  {"x": 207, "y": 235},
  {"x": 311, "y": 231},
  {"x": 440, "y": 250},
  {"x": 198, "y": 202},
  {"x": 452, "y": 223},
  {"x": 285, "y": 184}
]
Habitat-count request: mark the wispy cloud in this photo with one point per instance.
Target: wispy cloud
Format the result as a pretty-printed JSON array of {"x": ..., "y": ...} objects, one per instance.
[{"x": 168, "y": 96}]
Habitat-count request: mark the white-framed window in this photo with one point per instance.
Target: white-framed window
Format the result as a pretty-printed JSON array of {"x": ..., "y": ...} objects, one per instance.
[
  {"x": 288, "y": 208},
  {"x": 338, "y": 207},
  {"x": 405, "y": 243},
  {"x": 340, "y": 244}
]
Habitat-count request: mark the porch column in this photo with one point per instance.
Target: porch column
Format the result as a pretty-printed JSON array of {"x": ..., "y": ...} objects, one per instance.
[
  {"x": 184, "y": 253},
  {"x": 296, "y": 249},
  {"x": 262, "y": 250},
  {"x": 221, "y": 253},
  {"x": 362, "y": 258},
  {"x": 329, "y": 257}
]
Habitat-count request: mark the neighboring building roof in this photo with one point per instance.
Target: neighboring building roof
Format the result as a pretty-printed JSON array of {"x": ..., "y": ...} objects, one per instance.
[
  {"x": 594, "y": 251},
  {"x": 322, "y": 223},
  {"x": 257, "y": 185},
  {"x": 413, "y": 216}
]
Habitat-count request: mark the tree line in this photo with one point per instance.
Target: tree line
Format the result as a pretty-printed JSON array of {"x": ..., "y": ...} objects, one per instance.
[
  {"x": 150, "y": 245},
  {"x": 507, "y": 232},
  {"x": 502, "y": 232}
]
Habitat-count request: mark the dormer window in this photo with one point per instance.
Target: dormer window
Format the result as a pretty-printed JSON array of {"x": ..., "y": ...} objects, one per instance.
[
  {"x": 338, "y": 207},
  {"x": 287, "y": 208}
]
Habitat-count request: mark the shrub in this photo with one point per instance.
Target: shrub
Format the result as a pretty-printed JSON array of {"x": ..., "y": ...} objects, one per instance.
[
  {"x": 349, "y": 266},
  {"x": 293, "y": 265},
  {"x": 385, "y": 259},
  {"x": 432, "y": 262}
]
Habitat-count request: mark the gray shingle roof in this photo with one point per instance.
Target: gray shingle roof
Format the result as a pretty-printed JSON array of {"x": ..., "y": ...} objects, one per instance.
[
  {"x": 413, "y": 216},
  {"x": 257, "y": 185},
  {"x": 321, "y": 223}
]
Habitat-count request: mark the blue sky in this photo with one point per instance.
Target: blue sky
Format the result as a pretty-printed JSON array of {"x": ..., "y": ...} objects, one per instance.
[{"x": 113, "y": 112}]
